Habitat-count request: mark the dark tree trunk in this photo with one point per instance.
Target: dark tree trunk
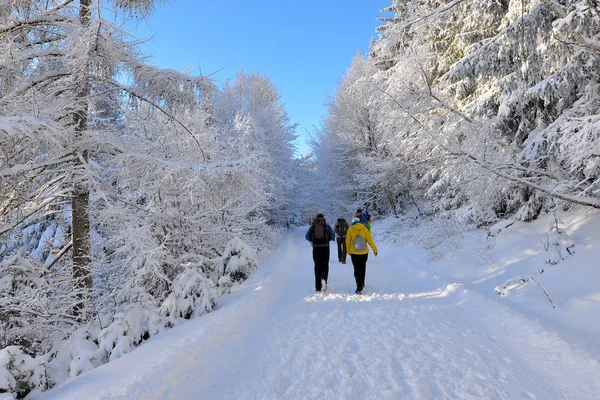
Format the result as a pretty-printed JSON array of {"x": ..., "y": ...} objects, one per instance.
[
  {"x": 80, "y": 212},
  {"x": 81, "y": 249}
]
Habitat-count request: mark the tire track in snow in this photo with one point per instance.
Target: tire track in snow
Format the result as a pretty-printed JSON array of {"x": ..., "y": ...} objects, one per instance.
[
  {"x": 520, "y": 373},
  {"x": 432, "y": 348},
  {"x": 540, "y": 354},
  {"x": 578, "y": 374},
  {"x": 364, "y": 363},
  {"x": 555, "y": 359}
]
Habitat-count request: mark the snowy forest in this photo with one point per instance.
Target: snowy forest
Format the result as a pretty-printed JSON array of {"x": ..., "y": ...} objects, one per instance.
[{"x": 132, "y": 197}]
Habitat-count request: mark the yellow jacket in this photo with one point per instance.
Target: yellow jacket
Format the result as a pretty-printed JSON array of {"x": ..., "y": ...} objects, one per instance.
[{"x": 358, "y": 229}]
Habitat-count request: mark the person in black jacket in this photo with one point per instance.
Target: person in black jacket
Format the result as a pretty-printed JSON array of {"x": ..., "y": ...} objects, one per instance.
[
  {"x": 319, "y": 235},
  {"x": 340, "y": 228}
]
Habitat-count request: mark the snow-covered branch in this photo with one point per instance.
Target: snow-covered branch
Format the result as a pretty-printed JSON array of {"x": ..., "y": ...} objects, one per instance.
[
  {"x": 496, "y": 170},
  {"x": 430, "y": 14},
  {"x": 32, "y": 211},
  {"x": 141, "y": 97}
]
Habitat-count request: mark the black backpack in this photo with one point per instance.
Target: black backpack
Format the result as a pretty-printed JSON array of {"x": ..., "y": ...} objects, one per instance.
[
  {"x": 320, "y": 234},
  {"x": 342, "y": 227}
]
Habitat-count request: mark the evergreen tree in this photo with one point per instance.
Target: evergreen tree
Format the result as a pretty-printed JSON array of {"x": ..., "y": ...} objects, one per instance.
[{"x": 502, "y": 76}]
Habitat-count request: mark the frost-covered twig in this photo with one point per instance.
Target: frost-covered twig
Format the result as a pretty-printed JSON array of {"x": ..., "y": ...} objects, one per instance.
[
  {"x": 438, "y": 10},
  {"x": 405, "y": 109},
  {"x": 29, "y": 168},
  {"x": 544, "y": 290},
  {"x": 581, "y": 42},
  {"x": 51, "y": 77}
]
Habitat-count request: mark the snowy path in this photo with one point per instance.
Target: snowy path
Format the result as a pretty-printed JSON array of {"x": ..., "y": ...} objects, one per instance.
[{"x": 411, "y": 336}]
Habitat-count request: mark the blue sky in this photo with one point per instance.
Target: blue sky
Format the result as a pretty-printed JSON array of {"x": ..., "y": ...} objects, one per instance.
[{"x": 303, "y": 47}]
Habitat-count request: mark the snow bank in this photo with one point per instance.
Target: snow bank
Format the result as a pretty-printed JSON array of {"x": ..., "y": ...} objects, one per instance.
[{"x": 546, "y": 269}]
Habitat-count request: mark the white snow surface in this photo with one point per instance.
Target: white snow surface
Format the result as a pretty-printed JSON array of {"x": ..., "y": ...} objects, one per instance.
[{"x": 424, "y": 329}]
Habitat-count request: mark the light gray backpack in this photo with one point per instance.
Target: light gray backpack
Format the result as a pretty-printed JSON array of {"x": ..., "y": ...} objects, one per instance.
[{"x": 360, "y": 244}]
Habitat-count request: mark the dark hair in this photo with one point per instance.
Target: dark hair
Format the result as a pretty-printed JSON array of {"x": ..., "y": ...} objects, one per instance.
[
  {"x": 359, "y": 211},
  {"x": 319, "y": 215}
]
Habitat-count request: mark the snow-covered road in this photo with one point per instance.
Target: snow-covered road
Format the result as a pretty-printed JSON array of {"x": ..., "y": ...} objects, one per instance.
[{"x": 412, "y": 335}]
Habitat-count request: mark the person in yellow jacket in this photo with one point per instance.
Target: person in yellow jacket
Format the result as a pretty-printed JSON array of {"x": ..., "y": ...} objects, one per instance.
[{"x": 357, "y": 238}]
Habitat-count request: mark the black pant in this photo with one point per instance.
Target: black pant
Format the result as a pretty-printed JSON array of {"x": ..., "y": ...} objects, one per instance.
[
  {"x": 359, "y": 261},
  {"x": 341, "y": 242},
  {"x": 321, "y": 259}
]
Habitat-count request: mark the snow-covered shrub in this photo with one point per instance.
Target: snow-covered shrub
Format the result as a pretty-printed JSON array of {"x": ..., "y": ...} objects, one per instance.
[
  {"x": 21, "y": 373},
  {"x": 32, "y": 300},
  {"x": 224, "y": 284},
  {"x": 531, "y": 205},
  {"x": 239, "y": 260},
  {"x": 193, "y": 294},
  {"x": 73, "y": 356},
  {"x": 128, "y": 329},
  {"x": 91, "y": 346},
  {"x": 235, "y": 266},
  {"x": 441, "y": 235}
]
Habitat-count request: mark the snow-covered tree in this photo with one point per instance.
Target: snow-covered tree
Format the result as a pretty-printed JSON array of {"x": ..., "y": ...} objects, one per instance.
[
  {"x": 363, "y": 150},
  {"x": 251, "y": 118},
  {"x": 130, "y": 170},
  {"x": 69, "y": 79},
  {"x": 500, "y": 88}
]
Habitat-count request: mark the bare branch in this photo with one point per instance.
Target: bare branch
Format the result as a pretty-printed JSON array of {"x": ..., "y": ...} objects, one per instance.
[{"x": 543, "y": 290}]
